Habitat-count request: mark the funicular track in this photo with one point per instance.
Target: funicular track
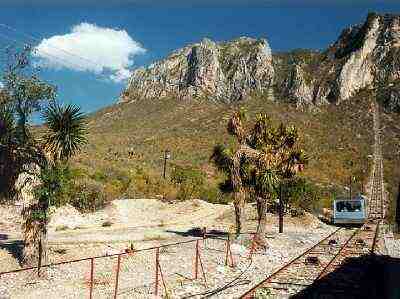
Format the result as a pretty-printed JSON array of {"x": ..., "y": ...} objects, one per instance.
[
  {"x": 321, "y": 259},
  {"x": 377, "y": 202}
]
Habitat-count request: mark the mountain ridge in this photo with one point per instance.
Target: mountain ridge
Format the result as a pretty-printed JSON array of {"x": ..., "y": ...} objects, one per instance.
[
  {"x": 366, "y": 55},
  {"x": 130, "y": 137}
]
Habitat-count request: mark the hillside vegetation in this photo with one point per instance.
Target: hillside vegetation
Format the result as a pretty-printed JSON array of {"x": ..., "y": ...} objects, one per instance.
[{"x": 332, "y": 136}]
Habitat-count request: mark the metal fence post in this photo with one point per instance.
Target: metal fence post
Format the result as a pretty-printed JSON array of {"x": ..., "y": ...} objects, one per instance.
[
  {"x": 157, "y": 262},
  {"x": 117, "y": 276},
  {"x": 91, "y": 278}
]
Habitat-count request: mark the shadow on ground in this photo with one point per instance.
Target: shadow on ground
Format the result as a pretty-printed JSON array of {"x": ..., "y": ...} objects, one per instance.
[
  {"x": 199, "y": 232},
  {"x": 365, "y": 277},
  {"x": 13, "y": 247}
]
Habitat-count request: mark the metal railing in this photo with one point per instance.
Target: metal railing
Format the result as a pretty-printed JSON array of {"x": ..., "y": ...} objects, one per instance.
[{"x": 155, "y": 271}]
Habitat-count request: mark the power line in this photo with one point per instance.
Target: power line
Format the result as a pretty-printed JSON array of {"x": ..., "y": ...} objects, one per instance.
[
  {"x": 64, "y": 62},
  {"x": 94, "y": 63}
]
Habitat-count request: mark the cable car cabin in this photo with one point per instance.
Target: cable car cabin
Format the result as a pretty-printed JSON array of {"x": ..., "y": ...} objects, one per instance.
[{"x": 349, "y": 211}]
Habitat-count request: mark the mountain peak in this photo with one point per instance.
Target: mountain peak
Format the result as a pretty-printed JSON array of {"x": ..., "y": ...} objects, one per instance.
[{"x": 225, "y": 71}]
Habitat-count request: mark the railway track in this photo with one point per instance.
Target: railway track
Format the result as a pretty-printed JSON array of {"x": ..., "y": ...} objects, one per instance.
[
  {"x": 377, "y": 199},
  {"x": 326, "y": 257}
]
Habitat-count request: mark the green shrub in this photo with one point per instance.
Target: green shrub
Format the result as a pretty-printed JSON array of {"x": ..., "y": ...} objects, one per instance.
[
  {"x": 189, "y": 181},
  {"x": 214, "y": 195},
  {"x": 89, "y": 195},
  {"x": 56, "y": 186}
]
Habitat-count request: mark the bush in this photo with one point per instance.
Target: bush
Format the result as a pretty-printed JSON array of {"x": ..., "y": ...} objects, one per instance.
[
  {"x": 301, "y": 194},
  {"x": 56, "y": 186},
  {"x": 89, "y": 195},
  {"x": 214, "y": 195},
  {"x": 189, "y": 181}
]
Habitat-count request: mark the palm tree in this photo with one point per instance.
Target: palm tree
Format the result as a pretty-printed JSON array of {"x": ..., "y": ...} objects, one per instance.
[
  {"x": 66, "y": 131},
  {"x": 64, "y": 138}
]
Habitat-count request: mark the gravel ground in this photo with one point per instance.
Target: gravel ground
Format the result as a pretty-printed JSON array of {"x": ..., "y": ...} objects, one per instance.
[
  {"x": 136, "y": 278},
  {"x": 392, "y": 245},
  {"x": 137, "y": 275}
]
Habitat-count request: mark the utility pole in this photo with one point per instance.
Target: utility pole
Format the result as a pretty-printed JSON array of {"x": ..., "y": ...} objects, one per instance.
[
  {"x": 167, "y": 155},
  {"x": 351, "y": 180}
]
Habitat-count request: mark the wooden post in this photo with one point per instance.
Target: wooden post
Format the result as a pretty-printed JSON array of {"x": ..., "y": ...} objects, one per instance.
[
  {"x": 91, "y": 278},
  {"x": 117, "y": 276},
  {"x": 226, "y": 251},
  {"x": 40, "y": 257},
  {"x": 280, "y": 210},
  {"x": 228, "y": 254}
]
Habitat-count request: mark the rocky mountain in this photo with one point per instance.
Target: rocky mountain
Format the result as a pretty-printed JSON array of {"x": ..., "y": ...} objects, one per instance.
[
  {"x": 217, "y": 71},
  {"x": 364, "y": 56}
]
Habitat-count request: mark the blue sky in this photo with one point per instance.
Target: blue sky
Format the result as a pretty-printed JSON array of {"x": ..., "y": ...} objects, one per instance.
[{"x": 90, "y": 70}]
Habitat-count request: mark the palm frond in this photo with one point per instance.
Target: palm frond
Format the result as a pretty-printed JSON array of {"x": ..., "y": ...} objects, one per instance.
[
  {"x": 66, "y": 131},
  {"x": 222, "y": 157}
]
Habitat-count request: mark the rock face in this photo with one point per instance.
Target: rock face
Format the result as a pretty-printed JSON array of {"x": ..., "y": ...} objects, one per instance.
[
  {"x": 216, "y": 71},
  {"x": 364, "y": 56},
  {"x": 296, "y": 87}
]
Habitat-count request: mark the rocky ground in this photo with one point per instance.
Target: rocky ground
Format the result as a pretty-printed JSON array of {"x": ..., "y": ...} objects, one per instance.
[{"x": 147, "y": 223}]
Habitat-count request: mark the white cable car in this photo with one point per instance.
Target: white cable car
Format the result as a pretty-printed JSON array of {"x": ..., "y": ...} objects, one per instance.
[{"x": 350, "y": 211}]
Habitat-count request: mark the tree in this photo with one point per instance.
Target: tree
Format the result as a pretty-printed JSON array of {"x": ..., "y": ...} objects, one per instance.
[
  {"x": 398, "y": 210},
  {"x": 232, "y": 162},
  {"x": 37, "y": 179},
  {"x": 265, "y": 155},
  {"x": 188, "y": 180},
  {"x": 22, "y": 95},
  {"x": 280, "y": 160},
  {"x": 65, "y": 136}
]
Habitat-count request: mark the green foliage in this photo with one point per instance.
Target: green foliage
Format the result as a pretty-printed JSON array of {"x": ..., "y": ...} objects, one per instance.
[
  {"x": 88, "y": 195},
  {"x": 214, "y": 195},
  {"x": 301, "y": 193},
  {"x": 222, "y": 157},
  {"x": 7, "y": 126},
  {"x": 189, "y": 181},
  {"x": 56, "y": 185},
  {"x": 263, "y": 293},
  {"x": 25, "y": 92},
  {"x": 66, "y": 131}
]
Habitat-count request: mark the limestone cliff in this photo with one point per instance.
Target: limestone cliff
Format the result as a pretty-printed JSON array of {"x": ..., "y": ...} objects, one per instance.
[
  {"x": 216, "y": 71},
  {"x": 364, "y": 56}
]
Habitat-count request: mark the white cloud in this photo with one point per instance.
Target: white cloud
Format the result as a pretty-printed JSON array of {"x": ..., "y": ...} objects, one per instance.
[
  {"x": 90, "y": 48},
  {"x": 121, "y": 75}
]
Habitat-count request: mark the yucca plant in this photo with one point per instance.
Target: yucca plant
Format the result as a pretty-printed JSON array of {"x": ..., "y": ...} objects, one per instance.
[
  {"x": 264, "y": 156},
  {"x": 66, "y": 131}
]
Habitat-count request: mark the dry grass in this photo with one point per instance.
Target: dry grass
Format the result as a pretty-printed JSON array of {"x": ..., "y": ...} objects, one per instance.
[{"x": 332, "y": 136}]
